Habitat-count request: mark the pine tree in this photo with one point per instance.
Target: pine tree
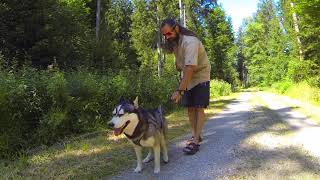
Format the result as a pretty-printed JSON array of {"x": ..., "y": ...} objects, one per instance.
[
  {"x": 219, "y": 41},
  {"x": 265, "y": 49}
]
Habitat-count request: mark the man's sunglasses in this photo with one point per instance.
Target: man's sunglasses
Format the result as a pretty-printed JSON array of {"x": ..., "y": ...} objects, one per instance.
[{"x": 169, "y": 33}]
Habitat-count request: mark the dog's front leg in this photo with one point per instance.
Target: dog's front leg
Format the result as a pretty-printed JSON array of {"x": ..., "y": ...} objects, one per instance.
[
  {"x": 164, "y": 149},
  {"x": 149, "y": 157},
  {"x": 156, "y": 150},
  {"x": 138, "y": 150}
]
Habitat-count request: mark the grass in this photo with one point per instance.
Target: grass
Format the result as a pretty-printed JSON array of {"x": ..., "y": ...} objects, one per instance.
[
  {"x": 305, "y": 93},
  {"x": 95, "y": 157},
  {"x": 301, "y": 91},
  {"x": 309, "y": 103},
  {"x": 310, "y": 111},
  {"x": 314, "y": 115}
]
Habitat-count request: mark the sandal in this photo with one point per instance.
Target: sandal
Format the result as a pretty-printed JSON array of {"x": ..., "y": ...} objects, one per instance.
[
  {"x": 192, "y": 140},
  {"x": 191, "y": 148}
]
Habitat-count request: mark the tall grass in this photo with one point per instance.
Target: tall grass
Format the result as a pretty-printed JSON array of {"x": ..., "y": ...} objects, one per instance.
[{"x": 302, "y": 91}]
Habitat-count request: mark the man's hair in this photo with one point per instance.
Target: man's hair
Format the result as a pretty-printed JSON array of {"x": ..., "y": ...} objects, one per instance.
[
  {"x": 173, "y": 23},
  {"x": 168, "y": 46}
]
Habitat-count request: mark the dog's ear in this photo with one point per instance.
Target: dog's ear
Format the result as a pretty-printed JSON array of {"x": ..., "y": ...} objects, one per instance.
[
  {"x": 135, "y": 103},
  {"x": 122, "y": 100}
]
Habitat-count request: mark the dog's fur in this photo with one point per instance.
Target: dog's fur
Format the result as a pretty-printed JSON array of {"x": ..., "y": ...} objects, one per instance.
[{"x": 143, "y": 128}]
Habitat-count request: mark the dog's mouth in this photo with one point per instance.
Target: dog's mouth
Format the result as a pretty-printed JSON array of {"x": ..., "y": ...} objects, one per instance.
[{"x": 118, "y": 131}]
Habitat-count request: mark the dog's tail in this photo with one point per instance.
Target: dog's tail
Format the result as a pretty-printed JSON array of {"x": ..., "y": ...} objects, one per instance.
[{"x": 164, "y": 122}]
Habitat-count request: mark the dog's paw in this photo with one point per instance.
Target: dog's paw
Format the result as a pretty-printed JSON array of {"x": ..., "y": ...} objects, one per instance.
[
  {"x": 137, "y": 169},
  {"x": 146, "y": 160},
  {"x": 156, "y": 170},
  {"x": 165, "y": 159}
]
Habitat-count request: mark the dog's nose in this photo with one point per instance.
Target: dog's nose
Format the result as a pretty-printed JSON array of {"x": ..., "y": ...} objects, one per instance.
[{"x": 110, "y": 125}]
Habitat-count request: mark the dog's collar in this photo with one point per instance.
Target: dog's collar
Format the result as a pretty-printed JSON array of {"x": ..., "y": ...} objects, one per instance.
[
  {"x": 135, "y": 140},
  {"x": 141, "y": 127}
]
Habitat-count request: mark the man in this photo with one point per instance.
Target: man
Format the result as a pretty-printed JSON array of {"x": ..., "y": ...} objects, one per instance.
[{"x": 194, "y": 87}]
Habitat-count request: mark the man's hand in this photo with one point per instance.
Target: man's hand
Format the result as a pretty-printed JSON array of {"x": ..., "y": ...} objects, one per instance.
[
  {"x": 176, "y": 97},
  {"x": 187, "y": 75}
]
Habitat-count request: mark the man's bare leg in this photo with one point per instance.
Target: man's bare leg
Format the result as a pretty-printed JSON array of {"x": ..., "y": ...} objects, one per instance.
[
  {"x": 192, "y": 119},
  {"x": 199, "y": 123}
]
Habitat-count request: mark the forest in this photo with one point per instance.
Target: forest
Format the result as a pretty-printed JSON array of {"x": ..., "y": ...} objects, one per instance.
[{"x": 65, "y": 63}]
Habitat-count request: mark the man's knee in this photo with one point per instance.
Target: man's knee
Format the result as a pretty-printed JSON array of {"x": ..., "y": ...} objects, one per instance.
[
  {"x": 191, "y": 109},
  {"x": 201, "y": 110}
]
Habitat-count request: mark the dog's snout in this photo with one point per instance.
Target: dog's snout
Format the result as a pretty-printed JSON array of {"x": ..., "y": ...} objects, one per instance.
[{"x": 110, "y": 125}]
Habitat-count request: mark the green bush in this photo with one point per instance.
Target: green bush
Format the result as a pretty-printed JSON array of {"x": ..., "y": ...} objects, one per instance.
[
  {"x": 21, "y": 110},
  {"x": 300, "y": 70},
  {"x": 310, "y": 93},
  {"x": 282, "y": 87},
  {"x": 219, "y": 88},
  {"x": 41, "y": 107}
]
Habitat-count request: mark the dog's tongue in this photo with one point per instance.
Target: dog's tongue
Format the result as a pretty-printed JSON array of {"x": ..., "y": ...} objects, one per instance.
[{"x": 117, "y": 131}]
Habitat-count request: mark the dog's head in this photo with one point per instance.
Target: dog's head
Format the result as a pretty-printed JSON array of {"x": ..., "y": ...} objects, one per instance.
[{"x": 123, "y": 115}]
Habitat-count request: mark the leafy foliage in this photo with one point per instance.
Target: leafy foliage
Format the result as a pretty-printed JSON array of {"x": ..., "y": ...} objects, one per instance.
[
  {"x": 40, "y": 107},
  {"x": 219, "y": 88},
  {"x": 268, "y": 46}
]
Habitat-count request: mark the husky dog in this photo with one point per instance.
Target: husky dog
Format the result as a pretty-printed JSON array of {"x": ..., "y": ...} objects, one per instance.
[{"x": 143, "y": 128}]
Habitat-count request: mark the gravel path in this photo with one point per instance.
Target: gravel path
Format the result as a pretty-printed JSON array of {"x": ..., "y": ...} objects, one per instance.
[
  {"x": 305, "y": 129},
  {"x": 245, "y": 141}
]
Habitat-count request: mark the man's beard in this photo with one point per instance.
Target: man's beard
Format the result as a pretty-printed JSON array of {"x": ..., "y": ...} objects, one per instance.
[{"x": 170, "y": 44}]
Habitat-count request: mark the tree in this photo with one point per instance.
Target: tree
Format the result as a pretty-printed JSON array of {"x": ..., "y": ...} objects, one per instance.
[
  {"x": 117, "y": 18},
  {"x": 34, "y": 31},
  {"x": 143, "y": 31},
  {"x": 265, "y": 46},
  {"x": 241, "y": 64},
  {"x": 219, "y": 41},
  {"x": 309, "y": 13}
]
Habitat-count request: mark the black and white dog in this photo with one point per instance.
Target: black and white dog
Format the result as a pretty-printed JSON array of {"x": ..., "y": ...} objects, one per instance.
[{"x": 143, "y": 128}]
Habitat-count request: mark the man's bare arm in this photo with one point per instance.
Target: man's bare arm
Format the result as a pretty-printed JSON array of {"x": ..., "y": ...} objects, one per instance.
[{"x": 187, "y": 76}]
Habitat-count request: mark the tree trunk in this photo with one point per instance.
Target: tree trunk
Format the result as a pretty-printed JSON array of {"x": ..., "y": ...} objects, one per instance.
[
  {"x": 296, "y": 28},
  {"x": 181, "y": 13},
  {"x": 160, "y": 66},
  {"x": 184, "y": 16},
  {"x": 98, "y": 11}
]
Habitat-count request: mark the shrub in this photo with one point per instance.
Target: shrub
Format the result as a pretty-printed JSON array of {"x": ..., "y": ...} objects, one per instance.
[
  {"x": 41, "y": 107},
  {"x": 299, "y": 70},
  {"x": 219, "y": 88},
  {"x": 282, "y": 87}
]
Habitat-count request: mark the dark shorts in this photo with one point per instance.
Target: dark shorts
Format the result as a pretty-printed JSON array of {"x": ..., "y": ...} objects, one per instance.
[{"x": 198, "y": 96}]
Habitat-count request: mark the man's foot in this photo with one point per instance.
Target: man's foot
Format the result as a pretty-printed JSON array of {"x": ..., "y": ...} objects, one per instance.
[
  {"x": 193, "y": 139},
  {"x": 191, "y": 148}
]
